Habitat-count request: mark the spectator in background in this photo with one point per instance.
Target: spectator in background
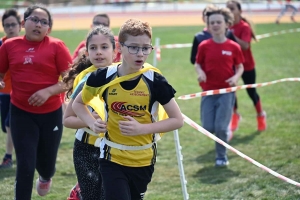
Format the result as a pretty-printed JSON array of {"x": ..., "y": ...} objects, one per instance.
[
  {"x": 99, "y": 19},
  {"x": 288, "y": 4},
  {"x": 243, "y": 33},
  {"x": 11, "y": 22}
]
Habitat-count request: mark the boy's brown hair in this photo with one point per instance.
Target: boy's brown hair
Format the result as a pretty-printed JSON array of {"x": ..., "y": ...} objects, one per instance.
[
  {"x": 228, "y": 16},
  {"x": 134, "y": 27}
]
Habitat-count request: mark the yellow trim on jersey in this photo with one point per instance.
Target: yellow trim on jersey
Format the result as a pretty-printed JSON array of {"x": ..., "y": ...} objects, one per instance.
[
  {"x": 90, "y": 138},
  {"x": 114, "y": 154}
]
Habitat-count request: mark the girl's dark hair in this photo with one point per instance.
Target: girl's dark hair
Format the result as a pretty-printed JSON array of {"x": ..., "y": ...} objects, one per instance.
[
  {"x": 101, "y": 30},
  {"x": 30, "y": 9},
  {"x": 83, "y": 62},
  {"x": 11, "y": 12},
  {"x": 239, "y": 6}
]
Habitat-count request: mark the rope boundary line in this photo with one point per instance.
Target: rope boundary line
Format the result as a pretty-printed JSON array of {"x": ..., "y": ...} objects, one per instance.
[
  {"x": 262, "y": 36},
  {"x": 254, "y": 162},
  {"x": 233, "y": 89}
]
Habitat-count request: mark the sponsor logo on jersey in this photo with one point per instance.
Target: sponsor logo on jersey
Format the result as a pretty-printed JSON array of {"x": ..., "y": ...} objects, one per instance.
[
  {"x": 138, "y": 93},
  {"x": 113, "y": 92},
  {"x": 27, "y": 60},
  {"x": 228, "y": 53},
  {"x": 122, "y": 108},
  {"x": 30, "y": 50}
]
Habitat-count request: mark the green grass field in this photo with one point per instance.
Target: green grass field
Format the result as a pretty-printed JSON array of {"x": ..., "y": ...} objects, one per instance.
[{"x": 278, "y": 148}]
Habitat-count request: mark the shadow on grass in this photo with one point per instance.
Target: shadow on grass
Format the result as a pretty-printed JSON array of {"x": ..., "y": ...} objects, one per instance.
[
  {"x": 214, "y": 175},
  {"x": 237, "y": 139}
]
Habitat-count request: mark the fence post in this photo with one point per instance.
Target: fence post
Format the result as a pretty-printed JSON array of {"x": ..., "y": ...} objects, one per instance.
[
  {"x": 180, "y": 165},
  {"x": 157, "y": 41}
]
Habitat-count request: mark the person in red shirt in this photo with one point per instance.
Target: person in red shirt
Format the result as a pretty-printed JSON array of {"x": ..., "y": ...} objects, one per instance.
[
  {"x": 214, "y": 61},
  {"x": 99, "y": 19},
  {"x": 243, "y": 33},
  {"x": 35, "y": 62},
  {"x": 288, "y": 4},
  {"x": 11, "y": 22}
]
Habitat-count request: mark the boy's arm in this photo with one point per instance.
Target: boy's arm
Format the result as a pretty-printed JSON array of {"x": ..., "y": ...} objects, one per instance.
[
  {"x": 131, "y": 127},
  {"x": 232, "y": 81},
  {"x": 81, "y": 110},
  {"x": 200, "y": 73}
]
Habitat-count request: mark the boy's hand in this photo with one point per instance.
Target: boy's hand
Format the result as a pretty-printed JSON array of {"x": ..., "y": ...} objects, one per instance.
[
  {"x": 201, "y": 76},
  {"x": 130, "y": 126},
  {"x": 39, "y": 97},
  {"x": 95, "y": 115},
  {"x": 2, "y": 84},
  {"x": 232, "y": 81},
  {"x": 98, "y": 126}
]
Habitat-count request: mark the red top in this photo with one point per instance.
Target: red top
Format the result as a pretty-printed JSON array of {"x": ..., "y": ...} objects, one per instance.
[
  {"x": 243, "y": 31},
  {"x": 82, "y": 44},
  {"x": 6, "y": 79},
  {"x": 34, "y": 66},
  {"x": 216, "y": 60}
]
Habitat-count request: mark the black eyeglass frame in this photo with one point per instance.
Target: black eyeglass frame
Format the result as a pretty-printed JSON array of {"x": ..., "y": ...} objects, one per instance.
[{"x": 138, "y": 49}]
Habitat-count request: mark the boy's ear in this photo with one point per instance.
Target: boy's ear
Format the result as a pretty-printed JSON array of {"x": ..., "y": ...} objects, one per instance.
[
  {"x": 23, "y": 24},
  {"x": 48, "y": 31},
  {"x": 118, "y": 47}
]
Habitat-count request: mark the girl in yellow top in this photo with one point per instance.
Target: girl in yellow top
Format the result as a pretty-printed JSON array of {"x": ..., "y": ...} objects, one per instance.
[
  {"x": 100, "y": 45},
  {"x": 128, "y": 151}
]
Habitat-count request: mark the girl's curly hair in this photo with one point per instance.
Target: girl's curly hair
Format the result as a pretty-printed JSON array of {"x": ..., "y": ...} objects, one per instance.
[{"x": 78, "y": 66}]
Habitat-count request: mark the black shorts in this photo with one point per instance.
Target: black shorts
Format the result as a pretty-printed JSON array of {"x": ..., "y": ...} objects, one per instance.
[{"x": 124, "y": 183}]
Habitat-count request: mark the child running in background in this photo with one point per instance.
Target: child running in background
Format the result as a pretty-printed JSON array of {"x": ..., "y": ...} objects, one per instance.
[
  {"x": 35, "y": 62},
  {"x": 11, "y": 22},
  {"x": 99, "y": 19},
  {"x": 205, "y": 34},
  {"x": 100, "y": 46},
  {"x": 214, "y": 61},
  {"x": 288, "y": 4},
  {"x": 128, "y": 150},
  {"x": 243, "y": 33}
]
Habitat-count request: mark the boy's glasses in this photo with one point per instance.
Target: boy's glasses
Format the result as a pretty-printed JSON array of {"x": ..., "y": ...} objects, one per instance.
[
  {"x": 99, "y": 23},
  {"x": 135, "y": 49},
  {"x": 36, "y": 20},
  {"x": 13, "y": 25}
]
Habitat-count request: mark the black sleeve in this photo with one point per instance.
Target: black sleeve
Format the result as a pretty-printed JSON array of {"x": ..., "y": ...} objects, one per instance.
[
  {"x": 229, "y": 35},
  {"x": 194, "y": 50},
  {"x": 97, "y": 78},
  {"x": 163, "y": 91}
]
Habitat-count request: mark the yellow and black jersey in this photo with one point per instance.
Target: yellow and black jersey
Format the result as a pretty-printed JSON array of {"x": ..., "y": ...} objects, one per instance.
[
  {"x": 138, "y": 98},
  {"x": 81, "y": 134}
]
